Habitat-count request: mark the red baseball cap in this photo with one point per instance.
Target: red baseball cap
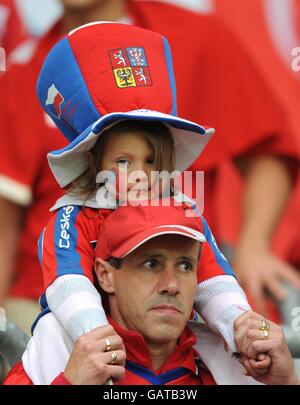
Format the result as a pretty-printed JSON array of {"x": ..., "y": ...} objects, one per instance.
[{"x": 129, "y": 227}]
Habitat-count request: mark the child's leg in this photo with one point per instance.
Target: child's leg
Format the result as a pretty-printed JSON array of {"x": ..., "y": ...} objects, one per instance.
[
  {"x": 225, "y": 369},
  {"x": 219, "y": 298},
  {"x": 76, "y": 303},
  {"x": 220, "y": 301},
  {"x": 48, "y": 351}
]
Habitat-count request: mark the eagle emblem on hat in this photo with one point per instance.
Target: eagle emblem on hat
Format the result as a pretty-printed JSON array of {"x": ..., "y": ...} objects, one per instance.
[{"x": 130, "y": 67}]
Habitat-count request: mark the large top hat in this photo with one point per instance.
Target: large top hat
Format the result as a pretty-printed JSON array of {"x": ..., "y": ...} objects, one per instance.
[{"x": 103, "y": 73}]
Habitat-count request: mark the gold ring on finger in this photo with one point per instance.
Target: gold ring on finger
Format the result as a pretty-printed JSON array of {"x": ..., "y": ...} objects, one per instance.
[
  {"x": 107, "y": 345},
  {"x": 265, "y": 328},
  {"x": 113, "y": 357}
]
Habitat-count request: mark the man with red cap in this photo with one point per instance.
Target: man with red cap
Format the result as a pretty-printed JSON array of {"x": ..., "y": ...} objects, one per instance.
[{"x": 155, "y": 257}]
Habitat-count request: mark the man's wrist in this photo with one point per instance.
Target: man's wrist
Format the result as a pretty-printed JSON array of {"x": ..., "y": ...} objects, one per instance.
[
  {"x": 246, "y": 255},
  {"x": 296, "y": 380},
  {"x": 250, "y": 243},
  {"x": 293, "y": 380}
]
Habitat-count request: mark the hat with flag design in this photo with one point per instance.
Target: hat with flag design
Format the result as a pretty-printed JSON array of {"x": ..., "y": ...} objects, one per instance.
[{"x": 104, "y": 73}]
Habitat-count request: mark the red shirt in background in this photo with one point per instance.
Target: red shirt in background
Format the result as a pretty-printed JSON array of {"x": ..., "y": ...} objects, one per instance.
[
  {"x": 12, "y": 29},
  {"x": 256, "y": 24},
  {"x": 26, "y": 135}
]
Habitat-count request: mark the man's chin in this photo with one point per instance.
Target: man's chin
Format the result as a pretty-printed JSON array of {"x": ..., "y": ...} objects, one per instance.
[
  {"x": 162, "y": 334},
  {"x": 167, "y": 323}
]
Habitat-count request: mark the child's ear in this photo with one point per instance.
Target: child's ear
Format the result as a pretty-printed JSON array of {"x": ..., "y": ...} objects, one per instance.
[{"x": 104, "y": 274}]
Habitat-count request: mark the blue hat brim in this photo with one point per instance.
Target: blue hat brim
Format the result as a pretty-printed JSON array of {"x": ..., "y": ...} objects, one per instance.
[{"x": 71, "y": 161}]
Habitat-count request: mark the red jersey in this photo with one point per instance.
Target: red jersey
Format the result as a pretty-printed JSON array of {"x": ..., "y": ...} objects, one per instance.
[{"x": 181, "y": 368}]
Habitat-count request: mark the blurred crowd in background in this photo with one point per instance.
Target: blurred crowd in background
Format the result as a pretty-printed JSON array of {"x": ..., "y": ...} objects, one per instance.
[{"x": 245, "y": 83}]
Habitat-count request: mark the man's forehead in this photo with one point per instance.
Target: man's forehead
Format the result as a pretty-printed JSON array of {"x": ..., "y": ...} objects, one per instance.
[{"x": 167, "y": 245}]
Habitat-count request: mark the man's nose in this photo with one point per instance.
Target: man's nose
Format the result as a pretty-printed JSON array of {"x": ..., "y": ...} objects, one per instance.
[{"x": 168, "y": 282}]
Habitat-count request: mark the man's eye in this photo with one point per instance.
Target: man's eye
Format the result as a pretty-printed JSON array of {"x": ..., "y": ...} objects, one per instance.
[
  {"x": 151, "y": 264},
  {"x": 185, "y": 267},
  {"x": 123, "y": 162}
]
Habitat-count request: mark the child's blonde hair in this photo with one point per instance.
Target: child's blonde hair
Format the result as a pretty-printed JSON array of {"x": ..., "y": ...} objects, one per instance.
[{"x": 157, "y": 134}]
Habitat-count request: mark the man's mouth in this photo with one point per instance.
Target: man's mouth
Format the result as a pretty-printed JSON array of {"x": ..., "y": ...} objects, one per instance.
[{"x": 167, "y": 309}]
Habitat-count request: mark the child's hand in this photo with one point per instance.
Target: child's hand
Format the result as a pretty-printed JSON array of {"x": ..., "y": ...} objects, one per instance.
[{"x": 258, "y": 367}]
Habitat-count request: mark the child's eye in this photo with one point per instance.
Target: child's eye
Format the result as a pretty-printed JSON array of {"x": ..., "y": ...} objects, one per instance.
[
  {"x": 150, "y": 161},
  {"x": 123, "y": 162}
]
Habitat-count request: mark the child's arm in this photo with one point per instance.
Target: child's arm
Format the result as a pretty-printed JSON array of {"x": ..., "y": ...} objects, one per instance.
[
  {"x": 66, "y": 255},
  {"x": 219, "y": 298}
]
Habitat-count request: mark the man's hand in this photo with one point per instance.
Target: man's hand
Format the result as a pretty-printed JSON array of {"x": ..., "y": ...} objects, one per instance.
[
  {"x": 267, "y": 360},
  {"x": 90, "y": 364},
  {"x": 257, "y": 273}
]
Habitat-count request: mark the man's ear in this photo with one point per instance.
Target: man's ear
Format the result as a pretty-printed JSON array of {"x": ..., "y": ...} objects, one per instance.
[{"x": 104, "y": 274}]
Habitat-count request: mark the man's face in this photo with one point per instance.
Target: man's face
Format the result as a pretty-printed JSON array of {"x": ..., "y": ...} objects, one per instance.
[{"x": 154, "y": 291}]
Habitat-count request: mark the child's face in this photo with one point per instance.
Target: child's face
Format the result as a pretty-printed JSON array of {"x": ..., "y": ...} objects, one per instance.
[{"x": 129, "y": 152}]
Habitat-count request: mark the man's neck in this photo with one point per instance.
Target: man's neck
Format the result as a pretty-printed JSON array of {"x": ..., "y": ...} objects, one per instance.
[
  {"x": 110, "y": 10},
  {"x": 159, "y": 353}
]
